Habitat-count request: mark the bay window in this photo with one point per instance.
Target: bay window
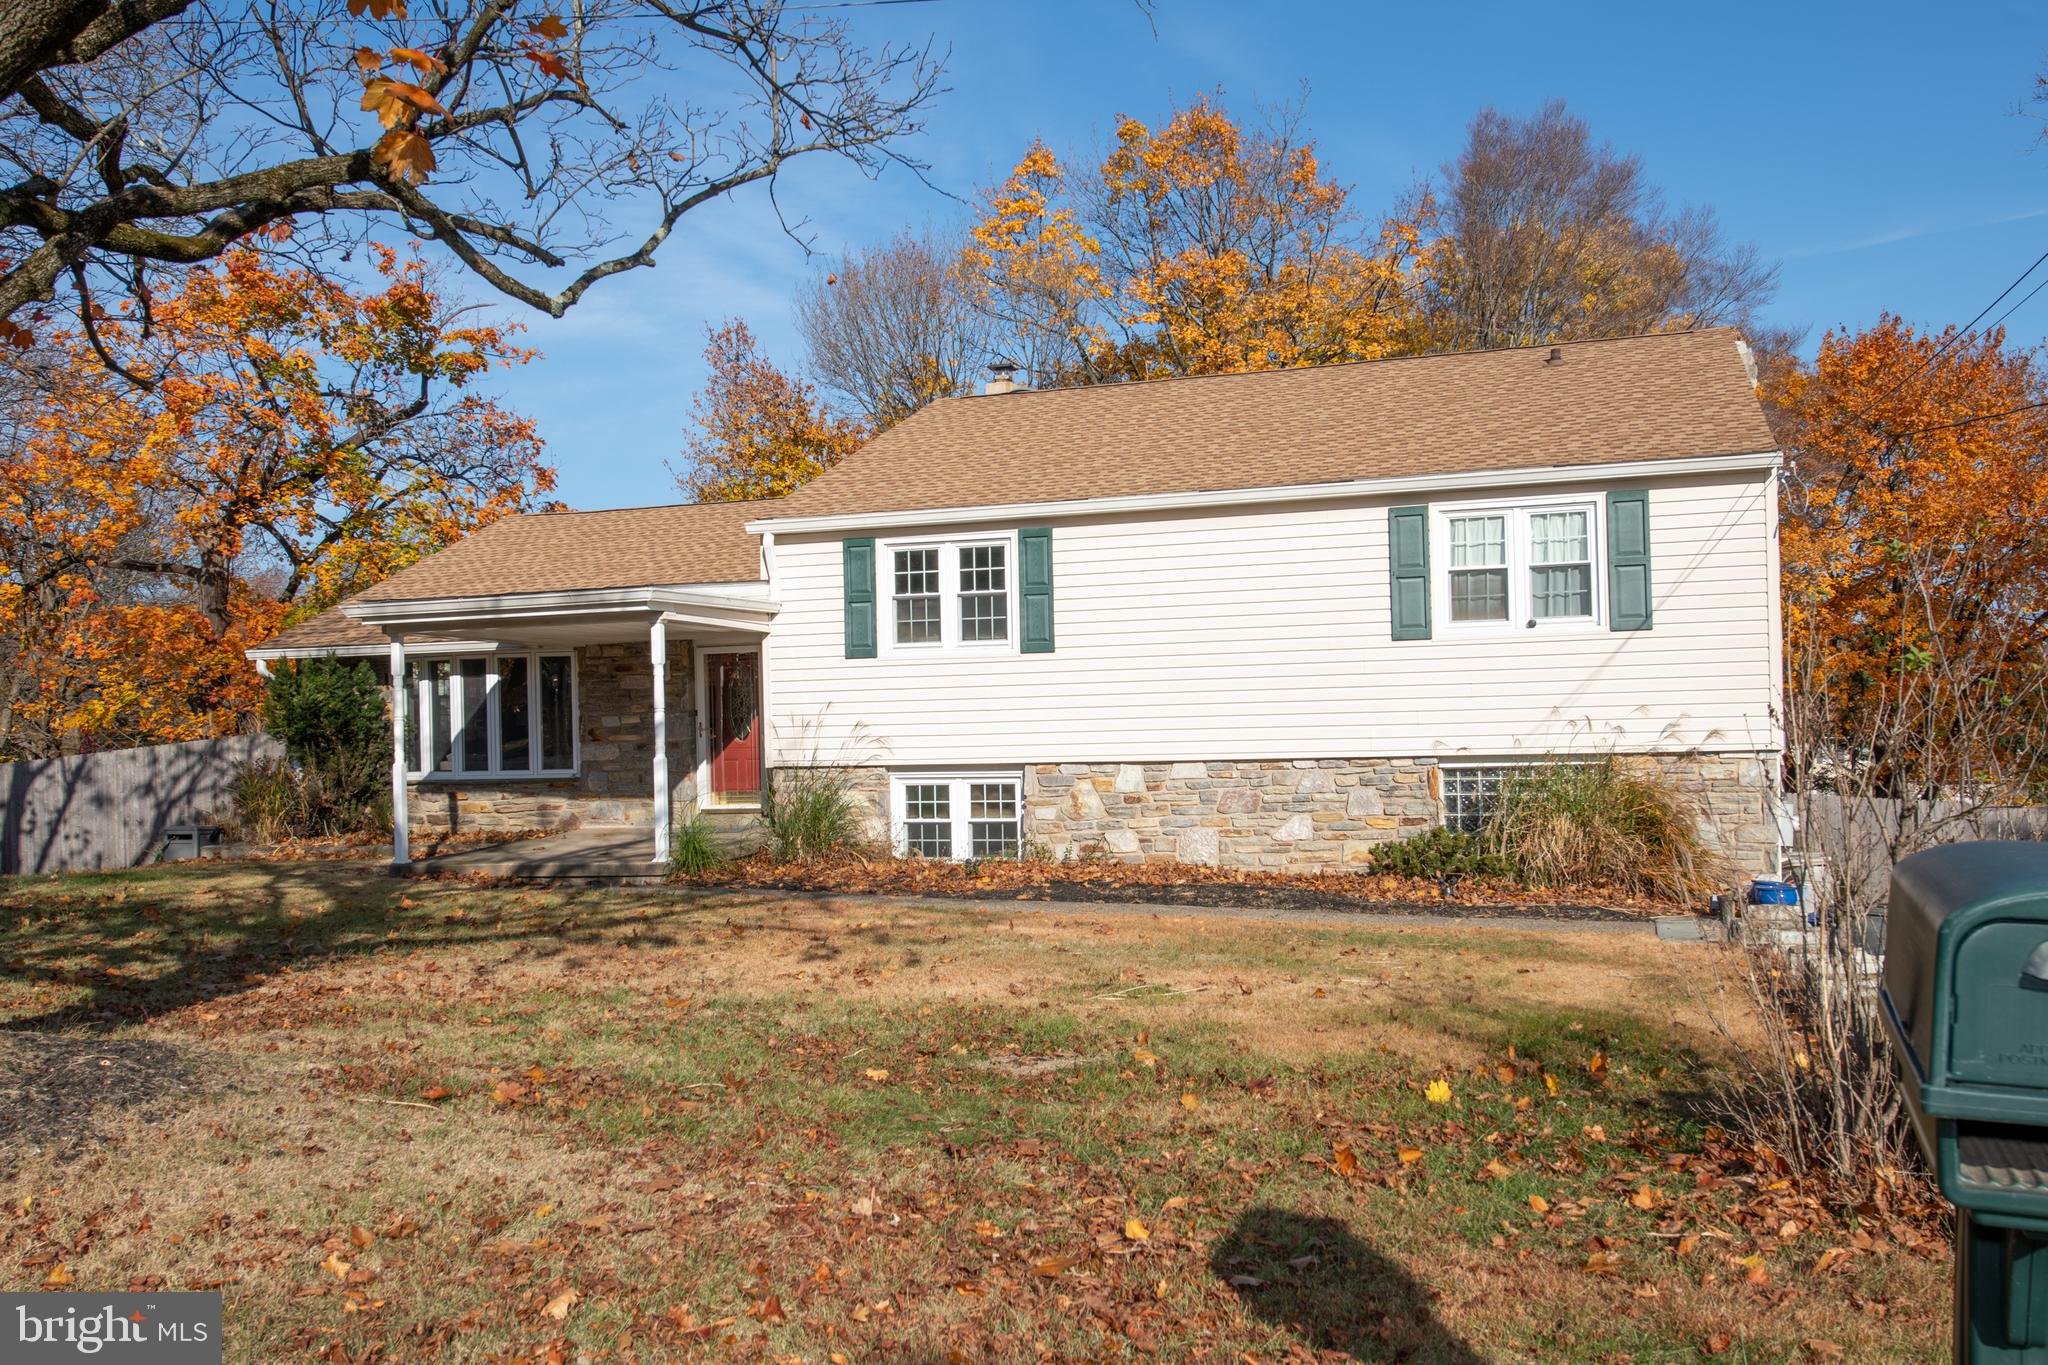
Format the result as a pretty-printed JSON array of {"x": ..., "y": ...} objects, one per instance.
[
  {"x": 957, "y": 817},
  {"x": 1505, "y": 567},
  {"x": 478, "y": 715},
  {"x": 946, "y": 594}
]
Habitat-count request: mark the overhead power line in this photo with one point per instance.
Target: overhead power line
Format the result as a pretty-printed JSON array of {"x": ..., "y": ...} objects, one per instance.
[
  {"x": 1999, "y": 321},
  {"x": 1958, "y": 338},
  {"x": 1972, "y": 421}
]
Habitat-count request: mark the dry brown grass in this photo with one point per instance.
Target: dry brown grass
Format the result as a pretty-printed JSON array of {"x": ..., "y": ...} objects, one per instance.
[{"x": 739, "y": 1125}]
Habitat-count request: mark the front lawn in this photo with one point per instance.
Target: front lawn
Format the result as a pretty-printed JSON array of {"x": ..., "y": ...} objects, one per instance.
[{"x": 428, "y": 1121}]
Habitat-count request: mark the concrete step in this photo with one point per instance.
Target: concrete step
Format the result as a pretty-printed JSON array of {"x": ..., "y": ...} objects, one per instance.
[
  {"x": 593, "y": 852},
  {"x": 735, "y": 832}
]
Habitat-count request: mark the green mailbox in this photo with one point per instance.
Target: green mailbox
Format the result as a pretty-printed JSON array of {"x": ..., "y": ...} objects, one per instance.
[{"x": 1965, "y": 1000}]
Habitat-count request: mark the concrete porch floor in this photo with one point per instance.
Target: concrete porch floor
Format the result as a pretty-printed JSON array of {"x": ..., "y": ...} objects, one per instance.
[{"x": 593, "y": 853}]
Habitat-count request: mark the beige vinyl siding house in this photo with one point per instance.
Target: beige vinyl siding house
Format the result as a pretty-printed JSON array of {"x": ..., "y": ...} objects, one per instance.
[
  {"x": 1225, "y": 685},
  {"x": 1266, "y": 631},
  {"x": 1267, "y": 620}
]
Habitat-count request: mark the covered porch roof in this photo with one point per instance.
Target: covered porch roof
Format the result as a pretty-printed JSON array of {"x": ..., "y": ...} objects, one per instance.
[
  {"x": 587, "y": 616},
  {"x": 556, "y": 579}
]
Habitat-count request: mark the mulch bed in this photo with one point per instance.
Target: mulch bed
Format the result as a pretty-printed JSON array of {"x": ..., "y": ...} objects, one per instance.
[
  {"x": 53, "y": 1085},
  {"x": 1351, "y": 893}
]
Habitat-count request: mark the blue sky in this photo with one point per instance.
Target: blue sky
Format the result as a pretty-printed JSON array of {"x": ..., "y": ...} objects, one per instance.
[{"x": 1884, "y": 153}]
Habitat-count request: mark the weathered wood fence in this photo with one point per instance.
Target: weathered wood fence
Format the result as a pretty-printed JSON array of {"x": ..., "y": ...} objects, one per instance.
[
  {"x": 111, "y": 809},
  {"x": 1856, "y": 836}
]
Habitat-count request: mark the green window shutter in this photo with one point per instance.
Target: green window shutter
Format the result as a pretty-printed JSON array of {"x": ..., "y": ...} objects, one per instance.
[
  {"x": 1628, "y": 559},
  {"x": 1408, "y": 563},
  {"x": 858, "y": 557},
  {"x": 1034, "y": 575}
]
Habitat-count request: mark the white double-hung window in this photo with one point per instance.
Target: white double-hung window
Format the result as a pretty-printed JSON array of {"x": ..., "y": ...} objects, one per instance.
[
  {"x": 950, "y": 593},
  {"x": 491, "y": 715},
  {"x": 957, "y": 816},
  {"x": 1505, "y": 567}
]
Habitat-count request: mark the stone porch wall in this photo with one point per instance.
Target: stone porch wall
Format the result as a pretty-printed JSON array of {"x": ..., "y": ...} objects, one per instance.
[
  {"x": 616, "y": 785},
  {"x": 1306, "y": 815}
]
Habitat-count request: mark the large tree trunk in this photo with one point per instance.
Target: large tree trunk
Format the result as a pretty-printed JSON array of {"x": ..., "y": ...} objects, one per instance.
[
  {"x": 211, "y": 587},
  {"x": 34, "y": 32}
]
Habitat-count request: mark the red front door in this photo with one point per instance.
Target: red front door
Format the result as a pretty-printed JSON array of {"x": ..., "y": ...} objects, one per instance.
[{"x": 733, "y": 682}]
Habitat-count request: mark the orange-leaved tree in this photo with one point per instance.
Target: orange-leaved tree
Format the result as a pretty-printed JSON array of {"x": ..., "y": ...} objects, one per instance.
[
  {"x": 1914, "y": 545},
  {"x": 760, "y": 432},
  {"x": 259, "y": 443},
  {"x": 1198, "y": 247},
  {"x": 1915, "y": 559}
]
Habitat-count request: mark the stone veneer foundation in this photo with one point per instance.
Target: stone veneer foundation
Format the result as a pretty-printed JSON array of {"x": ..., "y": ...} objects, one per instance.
[
  {"x": 615, "y": 712},
  {"x": 1309, "y": 815}
]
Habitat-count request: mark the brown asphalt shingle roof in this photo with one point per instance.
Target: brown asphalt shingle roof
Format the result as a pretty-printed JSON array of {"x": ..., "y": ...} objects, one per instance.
[
  {"x": 634, "y": 547},
  {"x": 329, "y": 630},
  {"x": 1638, "y": 398}
]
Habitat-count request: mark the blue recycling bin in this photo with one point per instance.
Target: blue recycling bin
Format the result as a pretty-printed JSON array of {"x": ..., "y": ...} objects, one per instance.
[{"x": 1764, "y": 891}]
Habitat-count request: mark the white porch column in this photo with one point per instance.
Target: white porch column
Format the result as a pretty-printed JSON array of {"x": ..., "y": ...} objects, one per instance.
[
  {"x": 657, "y": 647},
  {"x": 401, "y": 843}
]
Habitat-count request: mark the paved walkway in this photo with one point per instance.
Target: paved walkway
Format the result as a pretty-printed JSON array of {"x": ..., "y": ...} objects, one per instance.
[
  {"x": 1672, "y": 927},
  {"x": 627, "y": 855}
]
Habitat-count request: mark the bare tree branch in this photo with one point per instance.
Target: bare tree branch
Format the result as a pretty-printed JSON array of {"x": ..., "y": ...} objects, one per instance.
[{"x": 642, "y": 109}]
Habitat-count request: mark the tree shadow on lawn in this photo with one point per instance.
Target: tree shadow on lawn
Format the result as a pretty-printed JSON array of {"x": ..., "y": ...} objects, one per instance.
[
  {"x": 149, "y": 949},
  {"x": 1310, "y": 1276}
]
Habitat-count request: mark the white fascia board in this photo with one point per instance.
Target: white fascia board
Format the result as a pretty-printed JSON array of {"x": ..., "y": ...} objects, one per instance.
[
  {"x": 266, "y": 652},
  {"x": 378, "y": 651},
  {"x": 735, "y": 597},
  {"x": 1395, "y": 485}
]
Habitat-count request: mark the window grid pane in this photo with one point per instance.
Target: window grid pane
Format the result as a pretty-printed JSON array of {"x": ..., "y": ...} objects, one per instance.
[
  {"x": 1479, "y": 542},
  {"x": 992, "y": 819},
  {"x": 928, "y": 820},
  {"x": 557, "y": 714},
  {"x": 475, "y": 746},
  {"x": 1470, "y": 797},
  {"x": 413, "y": 759},
  {"x": 1561, "y": 591},
  {"x": 1559, "y": 538},
  {"x": 1479, "y": 595},
  {"x": 984, "y": 593},
  {"x": 917, "y": 596},
  {"x": 515, "y": 749},
  {"x": 441, "y": 716}
]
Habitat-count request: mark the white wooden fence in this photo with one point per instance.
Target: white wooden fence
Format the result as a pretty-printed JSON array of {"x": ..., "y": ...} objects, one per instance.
[{"x": 111, "y": 809}]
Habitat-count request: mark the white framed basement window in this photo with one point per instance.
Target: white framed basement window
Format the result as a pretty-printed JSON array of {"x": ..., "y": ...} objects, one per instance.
[
  {"x": 491, "y": 715},
  {"x": 1471, "y": 794},
  {"x": 1517, "y": 566},
  {"x": 949, "y": 592},
  {"x": 957, "y": 816},
  {"x": 1471, "y": 791}
]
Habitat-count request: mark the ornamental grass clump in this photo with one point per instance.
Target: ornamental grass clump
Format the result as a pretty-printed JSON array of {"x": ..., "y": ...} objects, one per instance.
[
  {"x": 809, "y": 812},
  {"x": 693, "y": 848},
  {"x": 1605, "y": 823}
]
